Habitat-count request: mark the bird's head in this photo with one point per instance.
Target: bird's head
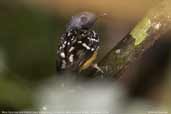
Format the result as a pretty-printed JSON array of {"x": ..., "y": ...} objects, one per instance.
[{"x": 83, "y": 20}]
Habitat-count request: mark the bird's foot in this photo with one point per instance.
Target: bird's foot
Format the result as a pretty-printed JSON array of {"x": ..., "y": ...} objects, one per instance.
[{"x": 97, "y": 68}]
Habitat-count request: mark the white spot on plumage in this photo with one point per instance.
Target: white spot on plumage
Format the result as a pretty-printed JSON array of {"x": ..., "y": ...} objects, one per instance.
[
  {"x": 63, "y": 64},
  {"x": 96, "y": 40},
  {"x": 69, "y": 34},
  {"x": 82, "y": 34},
  {"x": 71, "y": 49},
  {"x": 79, "y": 42},
  {"x": 92, "y": 49},
  {"x": 63, "y": 45},
  {"x": 62, "y": 54},
  {"x": 60, "y": 47},
  {"x": 71, "y": 58},
  {"x": 86, "y": 46},
  {"x": 94, "y": 34},
  {"x": 88, "y": 38},
  {"x": 93, "y": 39},
  {"x": 72, "y": 38},
  {"x": 68, "y": 43}
]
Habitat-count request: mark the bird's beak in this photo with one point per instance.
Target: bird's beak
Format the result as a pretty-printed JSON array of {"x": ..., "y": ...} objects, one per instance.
[{"x": 102, "y": 15}]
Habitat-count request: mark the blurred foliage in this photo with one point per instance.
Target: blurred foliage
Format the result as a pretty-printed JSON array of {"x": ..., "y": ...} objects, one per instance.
[
  {"x": 28, "y": 38},
  {"x": 14, "y": 95}
]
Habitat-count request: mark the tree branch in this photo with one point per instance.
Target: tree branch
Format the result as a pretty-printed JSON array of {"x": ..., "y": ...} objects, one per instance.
[{"x": 135, "y": 43}]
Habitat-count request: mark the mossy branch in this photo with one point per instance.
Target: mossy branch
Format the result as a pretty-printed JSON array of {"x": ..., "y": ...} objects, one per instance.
[{"x": 135, "y": 43}]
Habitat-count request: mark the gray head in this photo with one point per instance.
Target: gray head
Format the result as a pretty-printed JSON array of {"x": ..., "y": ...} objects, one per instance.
[{"x": 83, "y": 20}]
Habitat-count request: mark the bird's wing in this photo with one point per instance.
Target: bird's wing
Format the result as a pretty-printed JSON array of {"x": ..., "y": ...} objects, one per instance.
[
  {"x": 85, "y": 51},
  {"x": 76, "y": 49}
]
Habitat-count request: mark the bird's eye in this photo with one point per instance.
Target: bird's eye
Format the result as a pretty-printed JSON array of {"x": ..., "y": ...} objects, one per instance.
[{"x": 83, "y": 19}]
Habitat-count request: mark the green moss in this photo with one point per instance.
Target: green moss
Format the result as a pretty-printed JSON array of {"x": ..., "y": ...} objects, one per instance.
[{"x": 139, "y": 33}]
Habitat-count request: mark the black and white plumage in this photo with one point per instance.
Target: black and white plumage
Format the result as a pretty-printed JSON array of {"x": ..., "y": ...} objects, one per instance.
[{"x": 79, "y": 44}]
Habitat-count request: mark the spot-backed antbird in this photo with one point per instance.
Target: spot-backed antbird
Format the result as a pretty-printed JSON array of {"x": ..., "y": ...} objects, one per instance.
[{"x": 78, "y": 46}]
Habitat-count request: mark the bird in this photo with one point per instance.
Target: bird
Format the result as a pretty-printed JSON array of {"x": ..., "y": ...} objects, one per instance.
[{"x": 79, "y": 44}]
